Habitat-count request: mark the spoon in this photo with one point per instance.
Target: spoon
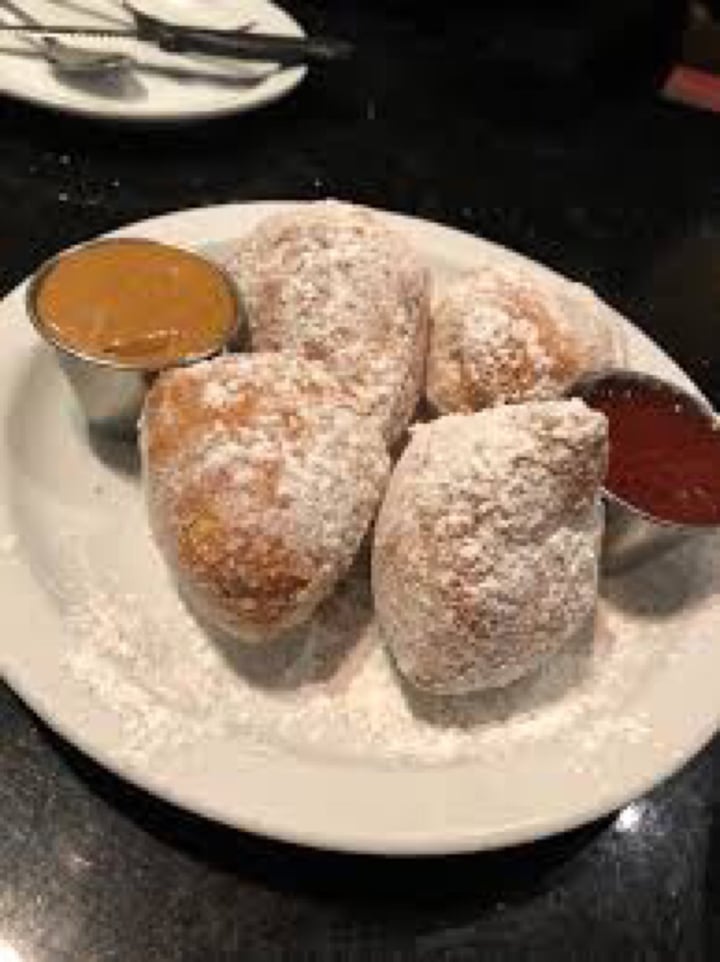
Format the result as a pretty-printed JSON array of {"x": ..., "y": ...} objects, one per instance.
[
  {"x": 77, "y": 61},
  {"x": 68, "y": 59}
]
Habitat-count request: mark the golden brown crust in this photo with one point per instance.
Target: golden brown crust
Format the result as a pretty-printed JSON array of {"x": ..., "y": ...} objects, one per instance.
[
  {"x": 503, "y": 334},
  {"x": 261, "y": 484}
]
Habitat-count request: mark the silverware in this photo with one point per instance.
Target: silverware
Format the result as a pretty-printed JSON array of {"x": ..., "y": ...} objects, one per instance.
[
  {"x": 65, "y": 58},
  {"x": 270, "y": 48},
  {"x": 633, "y": 536},
  {"x": 110, "y": 392}
]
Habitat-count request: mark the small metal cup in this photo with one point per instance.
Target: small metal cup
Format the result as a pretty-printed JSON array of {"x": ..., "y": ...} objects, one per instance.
[
  {"x": 633, "y": 536},
  {"x": 110, "y": 392}
]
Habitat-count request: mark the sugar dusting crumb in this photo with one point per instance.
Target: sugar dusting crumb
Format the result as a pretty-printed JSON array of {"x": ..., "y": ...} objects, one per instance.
[
  {"x": 216, "y": 394},
  {"x": 8, "y": 543}
]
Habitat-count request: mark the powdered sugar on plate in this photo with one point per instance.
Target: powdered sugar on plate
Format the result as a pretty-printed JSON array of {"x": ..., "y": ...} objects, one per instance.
[{"x": 331, "y": 690}]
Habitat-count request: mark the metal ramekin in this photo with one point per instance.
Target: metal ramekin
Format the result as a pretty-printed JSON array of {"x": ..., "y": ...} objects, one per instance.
[
  {"x": 111, "y": 393},
  {"x": 632, "y": 535}
]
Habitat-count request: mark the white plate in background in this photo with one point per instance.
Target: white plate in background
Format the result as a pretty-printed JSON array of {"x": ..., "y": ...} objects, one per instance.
[{"x": 163, "y": 88}]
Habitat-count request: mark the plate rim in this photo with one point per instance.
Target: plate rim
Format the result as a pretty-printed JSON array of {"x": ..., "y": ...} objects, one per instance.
[{"x": 401, "y": 840}]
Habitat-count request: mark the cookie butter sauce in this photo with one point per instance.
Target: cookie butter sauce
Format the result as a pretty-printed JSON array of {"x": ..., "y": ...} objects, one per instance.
[{"x": 135, "y": 301}]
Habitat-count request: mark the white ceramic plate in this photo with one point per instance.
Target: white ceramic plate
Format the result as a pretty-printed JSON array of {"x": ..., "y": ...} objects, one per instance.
[
  {"x": 162, "y": 87},
  {"x": 320, "y": 748}
]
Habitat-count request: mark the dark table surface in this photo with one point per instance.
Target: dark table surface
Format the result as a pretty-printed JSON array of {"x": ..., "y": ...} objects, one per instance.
[{"x": 620, "y": 190}]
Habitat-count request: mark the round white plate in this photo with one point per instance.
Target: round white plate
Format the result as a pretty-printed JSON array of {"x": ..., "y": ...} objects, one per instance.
[
  {"x": 319, "y": 744},
  {"x": 161, "y": 87}
]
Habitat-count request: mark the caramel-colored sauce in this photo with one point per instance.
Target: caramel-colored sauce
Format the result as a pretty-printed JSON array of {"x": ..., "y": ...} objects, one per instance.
[{"x": 136, "y": 302}]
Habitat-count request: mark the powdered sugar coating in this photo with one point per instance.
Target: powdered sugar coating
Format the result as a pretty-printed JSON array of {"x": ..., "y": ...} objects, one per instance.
[
  {"x": 486, "y": 547},
  {"x": 261, "y": 483},
  {"x": 333, "y": 282},
  {"x": 504, "y": 333}
]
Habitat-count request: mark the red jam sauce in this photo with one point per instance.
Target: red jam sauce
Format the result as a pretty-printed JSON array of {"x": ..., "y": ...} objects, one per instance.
[{"x": 664, "y": 451}]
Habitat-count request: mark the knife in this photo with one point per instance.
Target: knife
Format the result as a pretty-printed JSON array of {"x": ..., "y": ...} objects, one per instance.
[{"x": 217, "y": 43}]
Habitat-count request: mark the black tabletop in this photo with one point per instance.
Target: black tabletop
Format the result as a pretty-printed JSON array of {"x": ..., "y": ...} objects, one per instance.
[{"x": 603, "y": 181}]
